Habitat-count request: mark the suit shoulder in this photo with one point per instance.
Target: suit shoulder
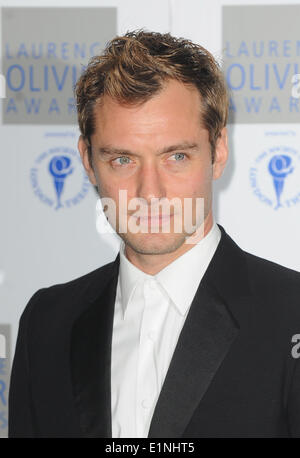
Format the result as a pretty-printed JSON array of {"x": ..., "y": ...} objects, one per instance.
[
  {"x": 79, "y": 282},
  {"x": 276, "y": 286},
  {"x": 69, "y": 296},
  {"x": 267, "y": 270}
]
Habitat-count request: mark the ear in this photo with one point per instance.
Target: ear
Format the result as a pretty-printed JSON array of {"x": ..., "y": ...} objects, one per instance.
[
  {"x": 84, "y": 154},
  {"x": 221, "y": 154}
]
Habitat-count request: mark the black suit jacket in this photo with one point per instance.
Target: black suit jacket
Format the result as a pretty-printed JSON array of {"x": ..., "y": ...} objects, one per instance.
[{"x": 232, "y": 373}]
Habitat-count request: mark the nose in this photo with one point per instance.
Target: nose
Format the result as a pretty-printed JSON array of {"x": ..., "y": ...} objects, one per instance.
[{"x": 150, "y": 183}]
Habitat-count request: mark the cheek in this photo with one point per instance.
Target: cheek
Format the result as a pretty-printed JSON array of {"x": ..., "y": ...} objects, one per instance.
[
  {"x": 106, "y": 185},
  {"x": 198, "y": 184},
  {"x": 115, "y": 190},
  {"x": 203, "y": 179}
]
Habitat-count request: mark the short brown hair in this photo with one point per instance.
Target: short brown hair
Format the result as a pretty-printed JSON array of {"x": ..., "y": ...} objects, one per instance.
[{"x": 135, "y": 66}]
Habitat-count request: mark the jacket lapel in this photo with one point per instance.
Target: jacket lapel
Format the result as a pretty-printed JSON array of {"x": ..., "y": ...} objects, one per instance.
[
  {"x": 206, "y": 337},
  {"x": 90, "y": 355}
]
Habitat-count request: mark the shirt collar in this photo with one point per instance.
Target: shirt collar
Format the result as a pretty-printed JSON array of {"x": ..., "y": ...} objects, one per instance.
[
  {"x": 129, "y": 277},
  {"x": 180, "y": 279}
]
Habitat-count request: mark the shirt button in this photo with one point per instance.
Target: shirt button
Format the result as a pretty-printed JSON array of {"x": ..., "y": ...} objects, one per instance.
[{"x": 145, "y": 404}]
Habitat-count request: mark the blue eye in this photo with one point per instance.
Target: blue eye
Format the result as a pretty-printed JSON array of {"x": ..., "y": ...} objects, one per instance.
[
  {"x": 179, "y": 154},
  {"x": 122, "y": 157}
]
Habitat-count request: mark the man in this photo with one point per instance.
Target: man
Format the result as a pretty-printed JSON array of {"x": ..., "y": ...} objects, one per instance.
[{"x": 184, "y": 334}]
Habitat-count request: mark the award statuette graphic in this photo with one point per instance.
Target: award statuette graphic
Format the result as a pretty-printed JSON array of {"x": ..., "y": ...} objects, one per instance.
[
  {"x": 279, "y": 167},
  {"x": 60, "y": 168}
]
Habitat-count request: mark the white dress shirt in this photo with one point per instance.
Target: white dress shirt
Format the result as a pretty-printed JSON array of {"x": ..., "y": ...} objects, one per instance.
[{"x": 150, "y": 311}]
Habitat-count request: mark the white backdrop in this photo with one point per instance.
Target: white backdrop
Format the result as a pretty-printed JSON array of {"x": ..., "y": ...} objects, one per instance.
[{"x": 41, "y": 246}]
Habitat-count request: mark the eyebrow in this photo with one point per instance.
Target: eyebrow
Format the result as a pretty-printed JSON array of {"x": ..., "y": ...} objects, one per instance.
[{"x": 110, "y": 151}]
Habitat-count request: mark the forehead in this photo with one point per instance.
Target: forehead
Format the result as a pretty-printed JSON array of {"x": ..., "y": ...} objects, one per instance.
[{"x": 175, "y": 111}]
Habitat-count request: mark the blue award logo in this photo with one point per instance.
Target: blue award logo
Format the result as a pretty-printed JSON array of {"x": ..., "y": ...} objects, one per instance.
[
  {"x": 58, "y": 178},
  {"x": 279, "y": 167},
  {"x": 60, "y": 168},
  {"x": 275, "y": 177}
]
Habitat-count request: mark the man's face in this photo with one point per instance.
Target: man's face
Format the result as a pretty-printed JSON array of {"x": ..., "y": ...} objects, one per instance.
[{"x": 155, "y": 150}]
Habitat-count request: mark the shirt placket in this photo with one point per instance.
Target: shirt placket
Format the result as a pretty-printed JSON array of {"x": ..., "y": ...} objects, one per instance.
[{"x": 147, "y": 371}]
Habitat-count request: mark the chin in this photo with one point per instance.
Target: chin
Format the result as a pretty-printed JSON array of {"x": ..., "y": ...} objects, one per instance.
[{"x": 159, "y": 243}]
